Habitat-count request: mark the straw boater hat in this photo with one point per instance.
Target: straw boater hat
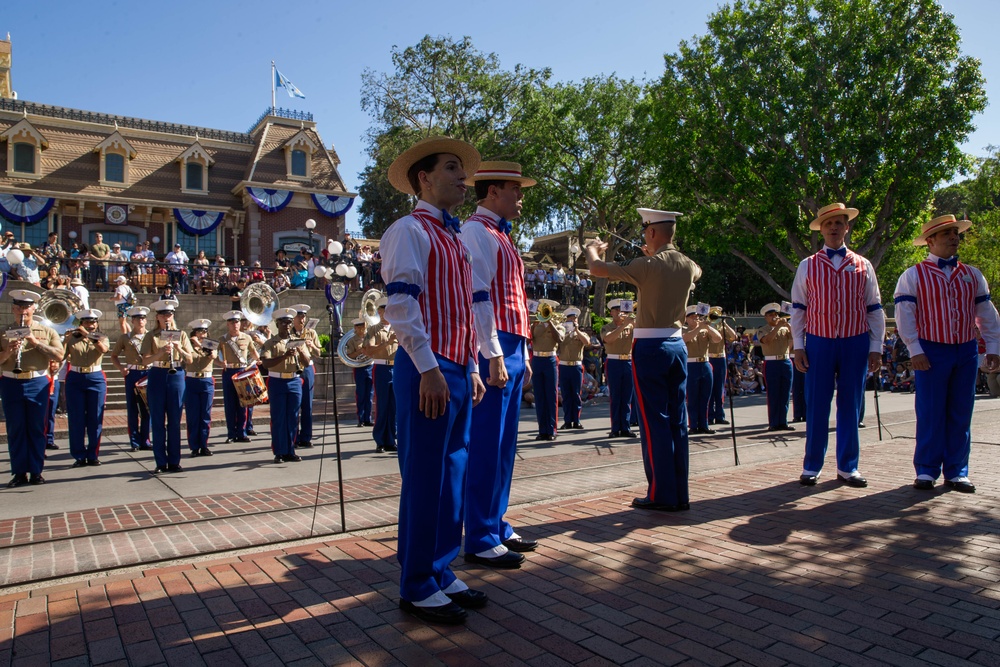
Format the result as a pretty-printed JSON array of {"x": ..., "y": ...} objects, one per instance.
[
  {"x": 940, "y": 224},
  {"x": 497, "y": 170},
  {"x": 832, "y": 211},
  {"x": 771, "y": 308},
  {"x": 651, "y": 216},
  {"x": 430, "y": 146}
]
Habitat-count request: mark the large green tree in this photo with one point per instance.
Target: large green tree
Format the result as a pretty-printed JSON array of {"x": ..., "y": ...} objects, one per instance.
[{"x": 785, "y": 106}]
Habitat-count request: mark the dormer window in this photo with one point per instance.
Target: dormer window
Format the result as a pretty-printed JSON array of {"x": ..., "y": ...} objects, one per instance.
[
  {"x": 194, "y": 176},
  {"x": 24, "y": 150},
  {"x": 194, "y": 163},
  {"x": 115, "y": 154},
  {"x": 298, "y": 156},
  {"x": 114, "y": 168},
  {"x": 299, "y": 164}
]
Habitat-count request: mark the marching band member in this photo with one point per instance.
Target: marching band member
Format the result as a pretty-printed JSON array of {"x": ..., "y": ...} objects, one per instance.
[
  {"x": 25, "y": 391},
  {"x": 939, "y": 303},
  {"x": 165, "y": 387},
  {"x": 775, "y": 339},
  {"x": 381, "y": 344},
  {"x": 837, "y": 329},
  {"x": 236, "y": 353},
  {"x": 363, "y": 386},
  {"x": 545, "y": 337},
  {"x": 717, "y": 358},
  {"x": 617, "y": 336},
  {"x": 199, "y": 390},
  {"x": 500, "y": 317},
  {"x": 664, "y": 278},
  {"x": 308, "y": 374},
  {"x": 133, "y": 369},
  {"x": 259, "y": 335},
  {"x": 284, "y": 362},
  {"x": 698, "y": 336},
  {"x": 428, "y": 275},
  {"x": 87, "y": 386},
  {"x": 570, "y": 355}
]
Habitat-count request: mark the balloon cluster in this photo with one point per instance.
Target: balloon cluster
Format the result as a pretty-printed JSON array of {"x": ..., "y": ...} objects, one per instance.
[{"x": 344, "y": 270}]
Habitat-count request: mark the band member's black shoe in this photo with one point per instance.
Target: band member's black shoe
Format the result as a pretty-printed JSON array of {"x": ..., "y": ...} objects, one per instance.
[
  {"x": 79, "y": 464},
  {"x": 469, "y": 599},
  {"x": 544, "y": 436},
  {"x": 158, "y": 469},
  {"x": 17, "y": 480},
  {"x": 566, "y": 426},
  {"x": 291, "y": 458},
  {"x": 807, "y": 480},
  {"x": 961, "y": 487},
  {"x": 243, "y": 439},
  {"x": 923, "y": 484},
  {"x": 250, "y": 431},
  {"x": 391, "y": 448},
  {"x": 508, "y": 561},
  {"x": 304, "y": 445},
  {"x": 93, "y": 462},
  {"x": 36, "y": 479},
  {"x": 449, "y": 614},
  {"x": 369, "y": 424},
  {"x": 174, "y": 468},
  {"x": 615, "y": 434},
  {"x": 520, "y": 544},
  {"x": 628, "y": 434},
  {"x": 578, "y": 426},
  {"x": 856, "y": 481},
  {"x": 861, "y": 425},
  {"x": 146, "y": 448},
  {"x": 722, "y": 422},
  {"x": 277, "y": 459},
  {"x": 205, "y": 451},
  {"x": 647, "y": 504},
  {"x": 135, "y": 449},
  {"x": 51, "y": 445}
]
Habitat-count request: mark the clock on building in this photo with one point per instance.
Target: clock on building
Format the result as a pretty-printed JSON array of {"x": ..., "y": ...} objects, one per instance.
[{"x": 116, "y": 214}]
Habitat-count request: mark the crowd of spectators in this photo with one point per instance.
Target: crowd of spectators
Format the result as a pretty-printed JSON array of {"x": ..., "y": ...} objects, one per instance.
[{"x": 567, "y": 287}]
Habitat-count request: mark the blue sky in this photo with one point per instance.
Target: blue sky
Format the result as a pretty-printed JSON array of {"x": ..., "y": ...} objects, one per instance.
[{"x": 208, "y": 63}]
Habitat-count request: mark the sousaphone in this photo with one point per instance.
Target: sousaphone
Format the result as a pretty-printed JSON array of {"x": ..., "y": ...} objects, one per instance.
[
  {"x": 369, "y": 313},
  {"x": 258, "y": 303},
  {"x": 56, "y": 308}
]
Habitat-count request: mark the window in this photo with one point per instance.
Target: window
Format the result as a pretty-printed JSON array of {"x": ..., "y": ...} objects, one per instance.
[
  {"x": 299, "y": 163},
  {"x": 36, "y": 234},
  {"x": 114, "y": 168},
  {"x": 193, "y": 176},
  {"x": 191, "y": 244},
  {"x": 24, "y": 158}
]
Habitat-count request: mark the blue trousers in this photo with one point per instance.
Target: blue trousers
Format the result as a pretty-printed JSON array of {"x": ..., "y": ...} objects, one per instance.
[
  {"x": 619, "y": 372},
  {"x": 798, "y": 393},
  {"x": 699, "y": 393},
  {"x": 943, "y": 403},
  {"x": 306, "y": 412},
  {"x": 237, "y": 417},
  {"x": 433, "y": 454},
  {"x": 50, "y": 415},
  {"x": 136, "y": 411},
  {"x": 544, "y": 379},
  {"x": 165, "y": 392},
  {"x": 842, "y": 362},
  {"x": 716, "y": 407},
  {"x": 660, "y": 369},
  {"x": 198, "y": 396},
  {"x": 363, "y": 390},
  {"x": 286, "y": 401},
  {"x": 86, "y": 394},
  {"x": 29, "y": 399},
  {"x": 634, "y": 416},
  {"x": 570, "y": 387},
  {"x": 778, "y": 377},
  {"x": 492, "y": 453},
  {"x": 384, "y": 432}
]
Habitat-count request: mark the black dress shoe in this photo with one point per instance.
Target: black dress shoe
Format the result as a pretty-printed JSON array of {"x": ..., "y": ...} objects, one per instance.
[
  {"x": 961, "y": 487},
  {"x": 520, "y": 544},
  {"x": 17, "y": 480},
  {"x": 577, "y": 426},
  {"x": 861, "y": 425},
  {"x": 250, "y": 431},
  {"x": 798, "y": 419},
  {"x": 135, "y": 449},
  {"x": 629, "y": 434},
  {"x": 449, "y": 614},
  {"x": 304, "y": 445},
  {"x": 391, "y": 448},
  {"x": 469, "y": 599},
  {"x": 146, "y": 447},
  {"x": 36, "y": 479},
  {"x": 195, "y": 453},
  {"x": 205, "y": 451},
  {"x": 277, "y": 459},
  {"x": 291, "y": 458},
  {"x": 807, "y": 480},
  {"x": 93, "y": 462},
  {"x": 360, "y": 424},
  {"x": 647, "y": 504},
  {"x": 79, "y": 464},
  {"x": 857, "y": 481},
  {"x": 158, "y": 469},
  {"x": 923, "y": 484},
  {"x": 545, "y": 436},
  {"x": 509, "y": 560},
  {"x": 369, "y": 424},
  {"x": 229, "y": 440},
  {"x": 175, "y": 468},
  {"x": 51, "y": 445},
  {"x": 566, "y": 426},
  {"x": 615, "y": 434},
  {"x": 243, "y": 439},
  {"x": 722, "y": 422}
]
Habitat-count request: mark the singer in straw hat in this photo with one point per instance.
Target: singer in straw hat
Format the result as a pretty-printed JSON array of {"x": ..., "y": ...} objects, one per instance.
[{"x": 939, "y": 304}]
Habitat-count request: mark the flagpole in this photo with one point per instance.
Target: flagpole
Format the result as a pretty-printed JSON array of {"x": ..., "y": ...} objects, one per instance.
[{"x": 272, "y": 86}]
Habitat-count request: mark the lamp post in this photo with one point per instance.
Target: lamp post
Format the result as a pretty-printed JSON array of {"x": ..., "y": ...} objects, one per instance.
[{"x": 310, "y": 226}]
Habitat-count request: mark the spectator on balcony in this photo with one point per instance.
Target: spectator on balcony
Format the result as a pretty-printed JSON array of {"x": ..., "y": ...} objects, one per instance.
[
  {"x": 279, "y": 281},
  {"x": 177, "y": 262},
  {"x": 99, "y": 253},
  {"x": 281, "y": 259},
  {"x": 200, "y": 281},
  {"x": 117, "y": 261},
  {"x": 299, "y": 275},
  {"x": 310, "y": 261},
  {"x": 256, "y": 274},
  {"x": 51, "y": 247},
  {"x": 222, "y": 275}
]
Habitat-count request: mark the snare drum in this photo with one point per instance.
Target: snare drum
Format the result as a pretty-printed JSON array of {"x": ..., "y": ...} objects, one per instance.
[
  {"x": 250, "y": 387},
  {"x": 140, "y": 389}
]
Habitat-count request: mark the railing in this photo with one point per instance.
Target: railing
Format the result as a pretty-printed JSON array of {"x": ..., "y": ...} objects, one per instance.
[
  {"x": 20, "y": 106},
  {"x": 282, "y": 113}
]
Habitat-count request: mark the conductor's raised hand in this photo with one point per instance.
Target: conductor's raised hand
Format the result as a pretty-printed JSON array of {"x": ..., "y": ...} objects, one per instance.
[{"x": 434, "y": 393}]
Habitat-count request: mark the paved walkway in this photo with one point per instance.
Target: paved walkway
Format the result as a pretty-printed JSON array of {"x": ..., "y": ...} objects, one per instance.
[{"x": 761, "y": 571}]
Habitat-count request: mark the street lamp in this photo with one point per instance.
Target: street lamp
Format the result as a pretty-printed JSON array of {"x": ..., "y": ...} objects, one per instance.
[{"x": 310, "y": 226}]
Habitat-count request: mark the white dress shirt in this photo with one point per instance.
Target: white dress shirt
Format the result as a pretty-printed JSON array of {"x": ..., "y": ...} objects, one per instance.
[{"x": 484, "y": 248}]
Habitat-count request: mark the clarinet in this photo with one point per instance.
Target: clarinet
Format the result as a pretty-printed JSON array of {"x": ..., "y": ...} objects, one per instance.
[
  {"x": 20, "y": 349},
  {"x": 173, "y": 368}
]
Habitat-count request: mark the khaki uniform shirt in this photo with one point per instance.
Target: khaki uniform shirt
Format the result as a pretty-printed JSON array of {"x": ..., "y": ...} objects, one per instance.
[
  {"x": 378, "y": 335},
  {"x": 621, "y": 343},
  {"x": 543, "y": 338},
  {"x": 151, "y": 344},
  {"x": 82, "y": 352},
  {"x": 352, "y": 348},
  {"x": 202, "y": 361},
  {"x": 275, "y": 347},
  {"x": 780, "y": 343},
  {"x": 241, "y": 342},
  {"x": 664, "y": 282},
  {"x": 32, "y": 359},
  {"x": 128, "y": 345},
  {"x": 699, "y": 346},
  {"x": 571, "y": 348}
]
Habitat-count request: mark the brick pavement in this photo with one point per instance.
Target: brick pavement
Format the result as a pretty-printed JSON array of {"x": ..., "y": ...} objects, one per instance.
[{"x": 761, "y": 571}]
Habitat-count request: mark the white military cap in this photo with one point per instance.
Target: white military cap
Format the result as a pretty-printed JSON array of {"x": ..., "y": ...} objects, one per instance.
[
  {"x": 614, "y": 303},
  {"x": 691, "y": 310},
  {"x": 233, "y": 315},
  {"x": 301, "y": 308},
  {"x": 199, "y": 324},
  {"x": 25, "y": 295},
  {"x": 771, "y": 307},
  {"x": 572, "y": 311},
  {"x": 358, "y": 322},
  {"x": 381, "y": 303},
  {"x": 136, "y": 311},
  {"x": 92, "y": 314},
  {"x": 650, "y": 216},
  {"x": 283, "y": 314},
  {"x": 164, "y": 305}
]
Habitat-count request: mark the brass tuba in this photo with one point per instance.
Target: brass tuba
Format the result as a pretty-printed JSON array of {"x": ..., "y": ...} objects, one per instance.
[
  {"x": 360, "y": 362},
  {"x": 56, "y": 308},
  {"x": 369, "y": 311},
  {"x": 258, "y": 303}
]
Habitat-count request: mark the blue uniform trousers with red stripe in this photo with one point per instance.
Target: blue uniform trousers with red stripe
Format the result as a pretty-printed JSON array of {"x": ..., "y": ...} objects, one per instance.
[
  {"x": 306, "y": 412},
  {"x": 544, "y": 379},
  {"x": 492, "y": 452},
  {"x": 29, "y": 399},
  {"x": 660, "y": 368},
  {"x": 842, "y": 362},
  {"x": 943, "y": 403},
  {"x": 716, "y": 408},
  {"x": 198, "y": 396},
  {"x": 237, "y": 417},
  {"x": 778, "y": 377},
  {"x": 570, "y": 388},
  {"x": 363, "y": 392},
  {"x": 86, "y": 394},
  {"x": 699, "y": 393},
  {"x": 619, "y": 372},
  {"x": 50, "y": 415},
  {"x": 433, "y": 454},
  {"x": 384, "y": 432},
  {"x": 165, "y": 392},
  {"x": 136, "y": 411},
  {"x": 285, "y": 397}
]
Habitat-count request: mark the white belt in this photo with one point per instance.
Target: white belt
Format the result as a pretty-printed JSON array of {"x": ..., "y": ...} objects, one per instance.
[
  {"x": 544, "y": 354},
  {"x": 571, "y": 363},
  {"x": 775, "y": 357},
  {"x": 656, "y": 333},
  {"x": 621, "y": 357},
  {"x": 697, "y": 360},
  {"x": 717, "y": 355},
  {"x": 26, "y": 375},
  {"x": 163, "y": 364},
  {"x": 88, "y": 369},
  {"x": 382, "y": 362},
  {"x": 201, "y": 374},
  {"x": 283, "y": 376},
  {"x": 132, "y": 367}
]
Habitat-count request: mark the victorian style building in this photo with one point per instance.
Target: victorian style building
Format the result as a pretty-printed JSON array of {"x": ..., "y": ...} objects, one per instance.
[{"x": 242, "y": 195}]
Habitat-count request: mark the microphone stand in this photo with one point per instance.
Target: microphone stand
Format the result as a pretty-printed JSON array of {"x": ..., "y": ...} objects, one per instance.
[
  {"x": 732, "y": 414},
  {"x": 878, "y": 414}
]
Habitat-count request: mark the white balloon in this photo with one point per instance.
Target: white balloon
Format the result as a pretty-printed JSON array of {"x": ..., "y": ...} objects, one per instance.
[
  {"x": 335, "y": 247},
  {"x": 351, "y": 272},
  {"x": 15, "y": 256},
  {"x": 320, "y": 271},
  {"x": 342, "y": 269}
]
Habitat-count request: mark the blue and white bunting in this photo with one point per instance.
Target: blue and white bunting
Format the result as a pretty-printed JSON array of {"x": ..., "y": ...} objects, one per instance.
[
  {"x": 332, "y": 205},
  {"x": 281, "y": 81},
  {"x": 25, "y": 208},
  {"x": 198, "y": 223},
  {"x": 270, "y": 200}
]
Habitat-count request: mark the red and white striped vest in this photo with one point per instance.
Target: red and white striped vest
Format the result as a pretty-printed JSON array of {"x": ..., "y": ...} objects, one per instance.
[
  {"x": 446, "y": 300},
  {"x": 836, "y": 305},
  {"x": 510, "y": 302},
  {"x": 946, "y": 307}
]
